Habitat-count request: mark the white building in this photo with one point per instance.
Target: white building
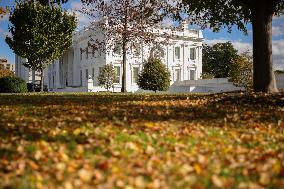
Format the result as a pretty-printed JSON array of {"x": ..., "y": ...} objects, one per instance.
[
  {"x": 4, "y": 64},
  {"x": 182, "y": 55}
]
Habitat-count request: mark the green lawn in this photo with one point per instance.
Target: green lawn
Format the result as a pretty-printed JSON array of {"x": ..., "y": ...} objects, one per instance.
[{"x": 129, "y": 141}]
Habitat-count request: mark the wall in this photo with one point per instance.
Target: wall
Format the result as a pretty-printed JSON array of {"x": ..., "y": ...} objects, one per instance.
[{"x": 280, "y": 81}]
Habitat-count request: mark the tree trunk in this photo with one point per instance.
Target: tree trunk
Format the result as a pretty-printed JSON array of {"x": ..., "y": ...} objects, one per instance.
[
  {"x": 124, "y": 46},
  {"x": 263, "y": 75},
  {"x": 41, "y": 80},
  {"x": 124, "y": 51}
]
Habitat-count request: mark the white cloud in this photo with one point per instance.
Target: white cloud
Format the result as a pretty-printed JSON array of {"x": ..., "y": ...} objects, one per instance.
[
  {"x": 278, "y": 17},
  {"x": 83, "y": 19},
  {"x": 278, "y": 30},
  {"x": 239, "y": 45},
  {"x": 277, "y": 48},
  {"x": 278, "y": 54}
]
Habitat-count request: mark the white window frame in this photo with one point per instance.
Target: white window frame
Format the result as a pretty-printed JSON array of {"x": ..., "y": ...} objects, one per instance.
[
  {"x": 116, "y": 65},
  {"x": 192, "y": 68},
  {"x": 177, "y": 58},
  {"x": 132, "y": 74},
  {"x": 195, "y": 53},
  {"x": 174, "y": 74}
]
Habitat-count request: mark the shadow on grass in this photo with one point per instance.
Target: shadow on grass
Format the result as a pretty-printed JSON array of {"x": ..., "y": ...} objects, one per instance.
[{"x": 98, "y": 109}]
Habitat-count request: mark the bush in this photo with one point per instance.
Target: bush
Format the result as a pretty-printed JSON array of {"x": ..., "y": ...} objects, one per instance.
[
  {"x": 107, "y": 76},
  {"x": 206, "y": 75},
  {"x": 154, "y": 76},
  {"x": 12, "y": 84}
]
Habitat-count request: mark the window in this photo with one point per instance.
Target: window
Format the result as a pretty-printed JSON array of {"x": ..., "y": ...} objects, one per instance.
[
  {"x": 81, "y": 78},
  {"x": 87, "y": 74},
  {"x": 117, "y": 74},
  {"x": 135, "y": 49},
  {"x": 93, "y": 73},
  {"x": 135, "y": 72},
  {"x": 177, "y": 75},
  {"x": 192, "y": 53},
  {"x": 117, "y": 49},
  {"x": 192, "y": 74},
  {"x": 87, "y": 52},
  {"x": 157, "y": 52},
  {"x": 177, "y": 53}
]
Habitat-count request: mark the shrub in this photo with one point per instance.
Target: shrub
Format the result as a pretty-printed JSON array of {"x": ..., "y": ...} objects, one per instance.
[
  {"x": 107, "y": 76},
  {"x": 12, "y": 84},
  {"x": 206, "y": 75},
  {"x": 154, "y": 76}
]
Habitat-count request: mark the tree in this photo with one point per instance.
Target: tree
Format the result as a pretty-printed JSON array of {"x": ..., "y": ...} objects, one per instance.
[
  {"x": 5, "y": 72},
  {"x": 219, "y": 13},
  {"x": 41, "y": 33},
  {"x": 107, "y": 76},
  {"x": 128, "y": 21},
  {"x": 3, "y": 11},
  {"x": 216, "y": 59},
  {"x": 241, "y": 71},
  {"x": 154, "y": 76}
]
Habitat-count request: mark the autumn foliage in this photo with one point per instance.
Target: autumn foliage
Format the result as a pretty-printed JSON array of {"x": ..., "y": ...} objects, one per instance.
[
  {"x": 5, "y": 72},
  {"x": 141, "y": 141}
]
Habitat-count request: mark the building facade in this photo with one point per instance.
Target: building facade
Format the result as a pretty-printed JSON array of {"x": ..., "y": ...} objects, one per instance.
[
  {"x": 4, "y": 64},
  {"x": 182, "y": 55}
]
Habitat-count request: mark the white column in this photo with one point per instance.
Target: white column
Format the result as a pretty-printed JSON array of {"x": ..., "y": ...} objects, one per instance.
[
  {"x": 199, "y": 64},
  {"x": 76, "y": 66},
  {"x": 57, "y": 79}
]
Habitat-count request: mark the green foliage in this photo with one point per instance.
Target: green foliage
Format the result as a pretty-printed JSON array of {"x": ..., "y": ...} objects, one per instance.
[
  {"x": 217, "y": 59},
  {"x": 218, "y": 14},
  {"x": 241, "y": 71},
  {"x": 154, "y": 76},
  {"x": 206, "y": 75},
  {"x": 40, "y": 33},
  {"x": 107, "y": 76},
  {"x": 11, "y": 84},
  {"x": 279, "y": 71},
  {"x": 51, "y": 2}
]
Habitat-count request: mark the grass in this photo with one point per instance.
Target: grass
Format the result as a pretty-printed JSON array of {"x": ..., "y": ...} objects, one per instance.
[{"x": 85, "y": 140}]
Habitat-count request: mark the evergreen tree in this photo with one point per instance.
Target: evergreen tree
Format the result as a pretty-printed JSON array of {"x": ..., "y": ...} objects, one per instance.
[
  {"x": 107, "y": 76},
  {"x": 154, "y": 76}
]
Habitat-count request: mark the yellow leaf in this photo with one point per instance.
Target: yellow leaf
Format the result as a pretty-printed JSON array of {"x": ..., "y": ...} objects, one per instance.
[
  {"x": 149, "y": 124},
  {"x": 264, "y": 179},
  {"x": 217, "y": 181},
  {"x": 197, "y": 168},
  {"x": 85, "y": 175},
  {"x": 77, "y": 131}
]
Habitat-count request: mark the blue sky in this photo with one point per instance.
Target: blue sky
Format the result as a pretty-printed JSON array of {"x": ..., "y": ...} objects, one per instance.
[{"x": 241, "y": 42}]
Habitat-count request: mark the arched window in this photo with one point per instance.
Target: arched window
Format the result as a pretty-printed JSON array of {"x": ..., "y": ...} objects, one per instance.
[
  {"x": 135, "y": 49},
  {"x": 157, "y": 52},
  {"x": 117, "y": 49}
]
